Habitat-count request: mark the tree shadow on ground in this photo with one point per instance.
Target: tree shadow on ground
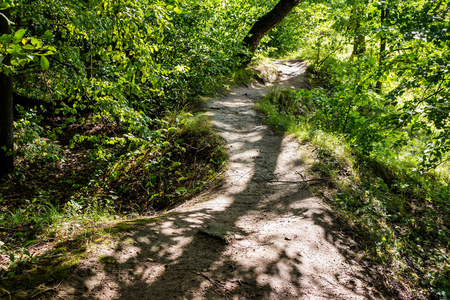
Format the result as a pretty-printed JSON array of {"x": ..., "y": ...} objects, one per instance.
[{"x": 286, "y": 244}]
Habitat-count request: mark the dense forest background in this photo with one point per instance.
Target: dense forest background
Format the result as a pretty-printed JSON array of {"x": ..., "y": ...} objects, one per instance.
[{"x": 105, "y": 94}]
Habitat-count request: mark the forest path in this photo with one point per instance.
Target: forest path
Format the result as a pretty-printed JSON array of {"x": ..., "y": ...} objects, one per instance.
[{"x": 283, "y": 242}]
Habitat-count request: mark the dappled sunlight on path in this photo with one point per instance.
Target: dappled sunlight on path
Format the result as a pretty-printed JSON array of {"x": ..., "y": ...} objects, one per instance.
[{"x": 285, "y": 244}]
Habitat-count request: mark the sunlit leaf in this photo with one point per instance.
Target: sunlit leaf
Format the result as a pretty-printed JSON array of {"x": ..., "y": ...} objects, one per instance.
[
  {"x": 19, "y": 34},
  {"x": 45, "y": 64}
]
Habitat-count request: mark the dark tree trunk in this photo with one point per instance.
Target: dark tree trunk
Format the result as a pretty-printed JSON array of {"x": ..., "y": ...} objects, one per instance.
[
  {"x": 359, "y": 42},
  {"x": 6, "y": 110},
  {"x": 359, "y": 45},
  {"x": 384, "y": 15},
  {"x": 267, "y": 22}
]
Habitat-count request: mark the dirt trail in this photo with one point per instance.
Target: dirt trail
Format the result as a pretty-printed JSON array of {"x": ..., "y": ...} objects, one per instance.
[{"x": 284, "y": 242}]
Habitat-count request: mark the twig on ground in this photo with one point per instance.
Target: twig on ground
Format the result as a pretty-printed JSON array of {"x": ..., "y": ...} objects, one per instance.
[
  {"x": 307, "y": 181},
  {"x": 327, "y": 280},
  {"x": 300, "y": 174},
  {"x": 37, "y": 293},
  {"x": 242, "y": 176},
  {"x": 213, "y": 282},
  {"x": 210, "y": 280}
]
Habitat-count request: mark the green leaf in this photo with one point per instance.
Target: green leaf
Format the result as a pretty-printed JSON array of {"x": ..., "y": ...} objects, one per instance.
[
  {"x": 37, "y": 43},
  {"x": 45, "y": 64},
  {"x": 29, "y": 243},
  {"x": 181, "y": 190},
  {"x": 15, "y": 50},
  {"x": 19, "y": 34},
  {"x": 14, "y": 61},
  {"x": 177, "y": 10},
  {"x": 47, "y": 35},
  {"x": 28, "y": 47},
  {"x": 5, "y": 6},
  {"x": 151, "y": 198}
]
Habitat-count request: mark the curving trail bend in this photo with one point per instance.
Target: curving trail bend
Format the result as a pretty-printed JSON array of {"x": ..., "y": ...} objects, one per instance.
[{"x": 284, "y": 243}]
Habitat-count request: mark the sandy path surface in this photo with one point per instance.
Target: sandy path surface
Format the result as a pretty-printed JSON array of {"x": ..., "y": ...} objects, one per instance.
[{"x": 283, "y": 242}]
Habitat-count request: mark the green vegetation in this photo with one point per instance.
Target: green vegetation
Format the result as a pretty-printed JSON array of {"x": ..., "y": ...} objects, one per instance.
[
  {"x": 399, "y": 218},
  {"x": 378, "y": 119},
  {"x": 104, "y": 123},
  {"x": 377, "y": 114}
]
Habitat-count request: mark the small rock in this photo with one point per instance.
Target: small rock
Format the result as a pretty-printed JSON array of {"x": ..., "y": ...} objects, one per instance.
[{"x": 219, "y": 233}]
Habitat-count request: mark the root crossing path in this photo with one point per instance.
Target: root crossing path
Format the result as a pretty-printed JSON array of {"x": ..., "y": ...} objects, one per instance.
[{"x": 261, "y": 235}]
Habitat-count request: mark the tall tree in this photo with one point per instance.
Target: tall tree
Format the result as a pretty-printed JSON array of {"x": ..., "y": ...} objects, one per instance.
[
  {"x": 383, "y": 16},
  {"x": 6, "y": 107},
  {"x": 268, "y": 21}
]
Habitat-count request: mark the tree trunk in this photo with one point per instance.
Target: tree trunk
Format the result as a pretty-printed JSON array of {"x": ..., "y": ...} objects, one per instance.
[
  {"x": 384, "y": 15},
  {"x": 359, "y": 45},
  {"x": 267, "y": 22},
  {"x": 6, "y": 110},
  {"x": 359, "y": 41}
]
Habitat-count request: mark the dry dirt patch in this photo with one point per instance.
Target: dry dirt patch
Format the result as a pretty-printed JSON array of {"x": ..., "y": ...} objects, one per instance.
[{"x": 261, "y": 235}]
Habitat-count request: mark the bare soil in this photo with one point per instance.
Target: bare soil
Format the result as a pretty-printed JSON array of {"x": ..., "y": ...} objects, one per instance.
[{"x": 260, "y": 235}]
